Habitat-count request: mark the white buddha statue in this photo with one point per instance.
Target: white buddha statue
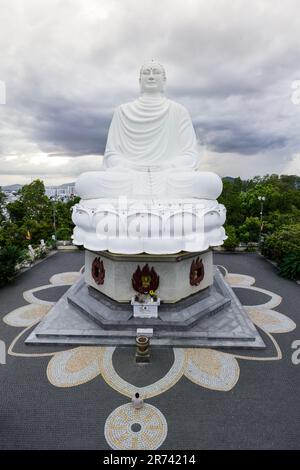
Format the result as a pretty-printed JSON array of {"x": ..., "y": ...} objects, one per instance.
[
  {"x": 151, "y": 158},
  {"x": 151, "y": 149}
]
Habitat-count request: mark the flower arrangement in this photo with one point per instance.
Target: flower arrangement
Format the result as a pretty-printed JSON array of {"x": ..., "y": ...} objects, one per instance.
[{"x": 146, "y": 298}]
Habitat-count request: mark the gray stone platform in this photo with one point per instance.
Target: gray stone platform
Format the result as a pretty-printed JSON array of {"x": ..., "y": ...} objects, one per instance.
[{"x": 211, "y": 318}]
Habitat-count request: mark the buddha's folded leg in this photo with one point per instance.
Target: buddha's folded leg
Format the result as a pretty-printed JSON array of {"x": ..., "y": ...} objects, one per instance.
[
  {"x": 207, "y": 185},
  {"x": 194, "y": 184},
  {"x": 104, "y": 184}
]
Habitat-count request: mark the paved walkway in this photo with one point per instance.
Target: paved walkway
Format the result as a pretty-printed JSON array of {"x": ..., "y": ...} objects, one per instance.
[{"x": 78, "y": 398}]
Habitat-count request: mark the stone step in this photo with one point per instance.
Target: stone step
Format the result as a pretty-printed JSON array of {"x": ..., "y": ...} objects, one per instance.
[
  {"x": 231, "y": 327},
  {"x": 109, "y": 314}
]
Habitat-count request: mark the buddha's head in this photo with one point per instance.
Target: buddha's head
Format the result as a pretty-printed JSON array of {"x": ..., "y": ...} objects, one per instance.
[{"x": 152, "y": 77}]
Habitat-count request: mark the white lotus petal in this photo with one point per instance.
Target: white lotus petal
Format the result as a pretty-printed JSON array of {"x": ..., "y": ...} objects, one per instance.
[
  {"x": 75, "y": 366},
  {"x": 27, "y": 315},
  {"x": 270, "y": 320},
  {"x": 212, "y": 369},
  {"x": 65, "y": 278},
  {"x": 239, "y": 279}
]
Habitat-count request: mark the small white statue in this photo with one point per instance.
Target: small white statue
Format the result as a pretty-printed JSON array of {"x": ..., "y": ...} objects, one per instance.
[
  {"x": 137, "y": 401},
  {"x": 31, "y": 252}
]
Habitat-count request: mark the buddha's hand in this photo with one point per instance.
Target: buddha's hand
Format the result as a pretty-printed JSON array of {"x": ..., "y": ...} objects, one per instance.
[
  {"x": 157, "y": 167},
  {"x": 115, "y": 162},
  {"x": 146, "y": 168},
  {"x": 187, "y": 162},
  {"x": 162, "y": 167}
]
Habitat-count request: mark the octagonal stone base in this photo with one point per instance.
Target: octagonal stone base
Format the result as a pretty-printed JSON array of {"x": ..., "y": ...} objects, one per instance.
[
  {"x": 213, "y": 317},
  {"x": 111, "y": 274}
]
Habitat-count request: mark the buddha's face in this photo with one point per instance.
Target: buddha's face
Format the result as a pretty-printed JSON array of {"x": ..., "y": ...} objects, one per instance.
[{"x": 152, "y": 78}]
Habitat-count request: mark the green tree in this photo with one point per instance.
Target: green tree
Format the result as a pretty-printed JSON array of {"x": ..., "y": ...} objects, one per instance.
[
  {"x": 230, "y": 197},
  {"x": 232, "y": 240},
  {"x": 63, "y": 216},
  {"x": 31, "y": 213},
  {"x": 282, "y": 242},
  {"x": 2, "y": 207},
  {"x": 290, "y": 265},
  {"x": 282, "y": 198},
  {"x": 9, "y": 257},
  {"x": 249, "y": 231},
  {"x": 11, "y": 235}
]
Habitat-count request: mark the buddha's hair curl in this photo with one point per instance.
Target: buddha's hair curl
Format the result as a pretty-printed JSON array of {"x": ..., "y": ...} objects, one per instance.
[{"x": 152, "y": 63}]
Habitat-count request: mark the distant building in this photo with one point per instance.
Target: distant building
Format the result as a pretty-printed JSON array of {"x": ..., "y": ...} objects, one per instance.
[
  {"x": 61, "y": 192},
  {"x": 65, "y": 191},
  {"x": 10, "y": 196}
]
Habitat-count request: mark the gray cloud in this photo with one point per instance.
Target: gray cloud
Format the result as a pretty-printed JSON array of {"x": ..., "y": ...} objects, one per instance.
[
  {"x": 68, "y": 64},
  {"x": 235, "y": 137},
  {"x": 61, "y": 128}
]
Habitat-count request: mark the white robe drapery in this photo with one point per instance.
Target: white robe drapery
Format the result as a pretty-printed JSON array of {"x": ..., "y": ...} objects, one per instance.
[{"x": 154, "y": 133}]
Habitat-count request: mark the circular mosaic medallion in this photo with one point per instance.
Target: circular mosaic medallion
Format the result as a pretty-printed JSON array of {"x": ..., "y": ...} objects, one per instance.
[{"x": 127, "y": 428}]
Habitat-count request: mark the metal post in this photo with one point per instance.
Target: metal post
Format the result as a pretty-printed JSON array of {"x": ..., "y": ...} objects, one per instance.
[
  {"x": 54, "y": 220},
  {"x": 261, "y": 199}
]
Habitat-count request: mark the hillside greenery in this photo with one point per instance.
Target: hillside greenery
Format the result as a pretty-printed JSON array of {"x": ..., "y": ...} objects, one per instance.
[
  {"x": 26, "y": 221},
  {"x": 278, "y": 232}
]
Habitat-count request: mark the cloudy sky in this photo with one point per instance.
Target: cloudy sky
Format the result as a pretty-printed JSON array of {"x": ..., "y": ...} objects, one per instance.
[{"x": 66, "y": 64}]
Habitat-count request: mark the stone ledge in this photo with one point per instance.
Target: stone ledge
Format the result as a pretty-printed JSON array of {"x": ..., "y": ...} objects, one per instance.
[{"x": 109, "y": 314}]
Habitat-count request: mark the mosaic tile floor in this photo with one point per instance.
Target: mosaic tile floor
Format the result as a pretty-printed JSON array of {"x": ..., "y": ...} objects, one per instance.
[{"x": 194, "y": 398}]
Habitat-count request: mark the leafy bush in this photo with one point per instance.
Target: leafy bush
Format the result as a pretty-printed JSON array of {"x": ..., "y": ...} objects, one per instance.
[
  {"x": 64, "y": 233},
  {"x": 10, "y": 256},
  {"x": 40, "y": 252},
  {"x": 290, "y": 266},
  {"x": 24, "y": 259},
  {"x": 275, "y": 220},
  {"x": 32, "y": 215},
  {"x": 281, "y": 243},
  {"x": 249, "y": 231},
  {"x": 51, "y": 243},
  {"x": 232, "y": 240}
]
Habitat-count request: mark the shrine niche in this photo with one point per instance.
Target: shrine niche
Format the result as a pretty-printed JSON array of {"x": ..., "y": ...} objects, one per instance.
[
  {"x": 98, "y": 271},
  {"x": 196, "y": 272},
  {"x": 145, "y": 280}
]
